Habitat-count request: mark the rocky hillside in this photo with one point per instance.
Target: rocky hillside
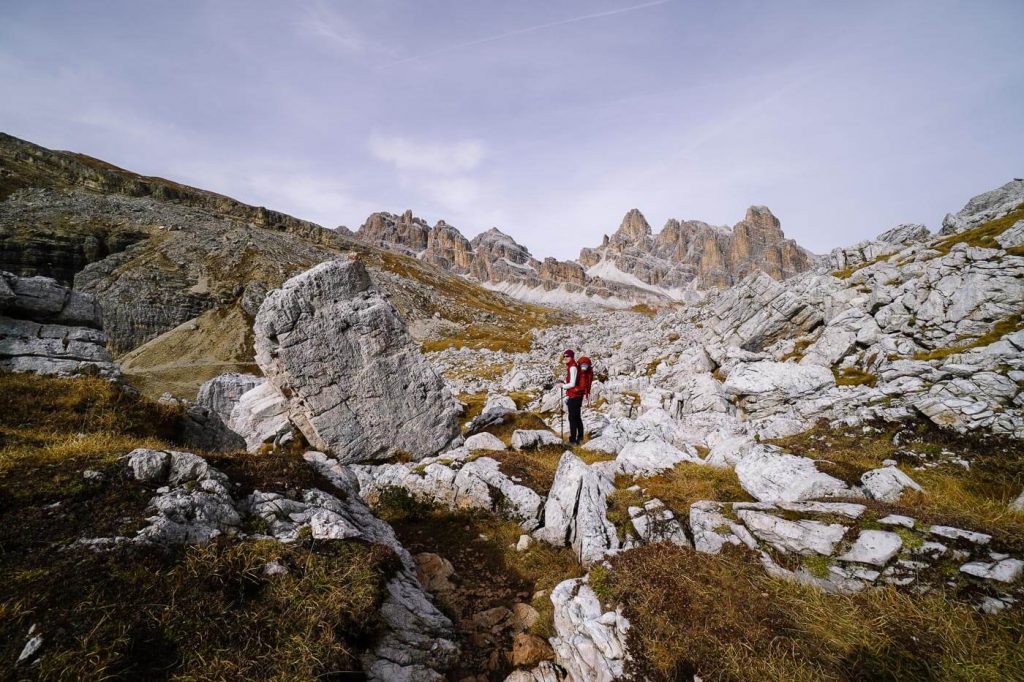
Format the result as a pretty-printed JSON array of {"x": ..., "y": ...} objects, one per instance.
[
  {"x": 180, "y": 272},
  {"x": 820, "y": 477},
  {"x": 632, "y": 266}
]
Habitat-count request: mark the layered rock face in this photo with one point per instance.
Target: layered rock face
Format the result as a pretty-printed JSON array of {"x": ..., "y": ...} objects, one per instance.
[
  {"x": 357, "y": 384},
  {"x": 47, "y": 328},
  {"x": 693, "y": 253}
]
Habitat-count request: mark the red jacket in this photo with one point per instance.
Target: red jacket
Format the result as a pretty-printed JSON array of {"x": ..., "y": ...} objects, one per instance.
[{"x": 572, "y": 380}]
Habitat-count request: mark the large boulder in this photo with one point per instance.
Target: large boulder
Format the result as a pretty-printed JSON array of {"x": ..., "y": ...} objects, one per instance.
[
  {"x": 260, "y": 415},
  {"x": 771, "y": 475},
  {"x": 575, "y": 511},
  {"x": 357, "y": 385},
  {"x": 43, "y": 299},
  {"x": 782, "y": 379},
  {"x": 887, "y": 484}
]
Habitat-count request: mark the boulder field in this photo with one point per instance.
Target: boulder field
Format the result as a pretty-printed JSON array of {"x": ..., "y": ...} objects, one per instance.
[{"x": 694, "y": 429}]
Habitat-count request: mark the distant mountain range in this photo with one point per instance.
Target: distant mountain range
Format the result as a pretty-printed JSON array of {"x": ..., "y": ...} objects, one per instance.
[{"x": 631, "y": 266}]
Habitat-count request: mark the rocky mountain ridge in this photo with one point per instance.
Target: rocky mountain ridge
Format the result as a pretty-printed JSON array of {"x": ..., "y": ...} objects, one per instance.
[{"x": 632, "y": 266}]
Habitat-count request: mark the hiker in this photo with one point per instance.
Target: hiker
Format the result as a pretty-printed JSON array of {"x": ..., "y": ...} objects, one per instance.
[{"x": 578, "y": 377}]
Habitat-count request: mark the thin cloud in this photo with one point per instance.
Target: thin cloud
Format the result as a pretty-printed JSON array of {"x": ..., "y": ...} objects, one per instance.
[
  {"x": 521, "y": 31},
  {"x": 443, "y": 158},
  {"x": 320, "y": 22}
]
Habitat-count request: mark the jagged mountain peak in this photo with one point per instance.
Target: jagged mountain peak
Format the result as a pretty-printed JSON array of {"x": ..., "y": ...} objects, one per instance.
[{"x": 634, "y": 228}]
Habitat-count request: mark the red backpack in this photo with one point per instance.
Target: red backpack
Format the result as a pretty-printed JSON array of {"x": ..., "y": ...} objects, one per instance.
[{"x": 586, "y": 374}]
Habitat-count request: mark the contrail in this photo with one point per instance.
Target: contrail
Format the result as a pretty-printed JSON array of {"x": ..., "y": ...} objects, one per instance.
[{"x": 528, "y": 29}]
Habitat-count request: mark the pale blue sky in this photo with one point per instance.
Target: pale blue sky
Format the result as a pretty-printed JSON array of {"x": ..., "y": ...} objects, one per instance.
[{"x": 548, "y": 119}]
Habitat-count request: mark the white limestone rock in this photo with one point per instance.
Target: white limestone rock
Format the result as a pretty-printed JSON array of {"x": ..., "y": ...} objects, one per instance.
[
  {"x": 875, "y": 547},
  {"x": 575, "y": 511},
  {"x": 654, "y": 522},
  {"x": 898, "y": 520},
  {"x": 193, "y": 508},
  {"x": 842, "y": 335},
  {"x": 712, "y": 529},
  {"x": 907, "y": 233},
  {"x": 260, "y": 415},
  {"x": 652, "y": 456},
  {"x": 529, "y": 439},
  {"x": 960, "y": 534},
  {"x": 1014, "y": 236},
  {"x": 1005, "y": 570},
  {"x": 729, "y": 451},
  {"x": 985, "y": 207},
  {"x": 484, "y": 441},
  {"x": 782, "y": 379},
  {"x": 590, "y": 643},
  {"x": 357, "y": 385},
  {"x": 497, "y": 403},
  {"x": 887, "y": 484},
  {"x": 450, "y": 480},
  {"x": 48, "y": 328},
  {"x": 771, "y": 475},
  {"x": 800, "y": 537},
  {"x": 222, "y": 393}
]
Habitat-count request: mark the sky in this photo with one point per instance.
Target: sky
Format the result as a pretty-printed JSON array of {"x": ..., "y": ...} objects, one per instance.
[{"x": 549, "y": 119}]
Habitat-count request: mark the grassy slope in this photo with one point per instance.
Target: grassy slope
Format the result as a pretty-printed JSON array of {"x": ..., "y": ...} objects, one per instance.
[
  {"x": 197, "y": 613},
  {"x": 179, "y": 361},
  {"x": 975, "y": 498},
  {"x": 723, "y": 618}
]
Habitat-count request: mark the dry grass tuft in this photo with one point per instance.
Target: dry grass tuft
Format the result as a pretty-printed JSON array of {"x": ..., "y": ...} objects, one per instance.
[
  {"x": 722, "y": 617},
  {"x": 687, "y": 483},
  {"x": 209, "y": 613},
  {"x": 644, "y": 309},
  {"x": 854, "y": 376}
]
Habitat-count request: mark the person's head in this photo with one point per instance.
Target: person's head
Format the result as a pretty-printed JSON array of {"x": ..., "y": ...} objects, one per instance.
[{"x": 568, "y": 355}]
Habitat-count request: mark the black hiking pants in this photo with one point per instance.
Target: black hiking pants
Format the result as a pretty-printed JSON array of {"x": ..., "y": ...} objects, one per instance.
[{"x": 573, "y": 407}]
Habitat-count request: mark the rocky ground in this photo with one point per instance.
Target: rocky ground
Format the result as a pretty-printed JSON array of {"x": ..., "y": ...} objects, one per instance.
[{"x": 814, "y": 478}]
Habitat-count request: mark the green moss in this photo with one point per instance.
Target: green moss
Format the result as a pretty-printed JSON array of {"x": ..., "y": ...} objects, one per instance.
[
  {"x": 817, "y": 565},
  {"x": 600, "y": 581},
  {"x": 911, "y": 540}
]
